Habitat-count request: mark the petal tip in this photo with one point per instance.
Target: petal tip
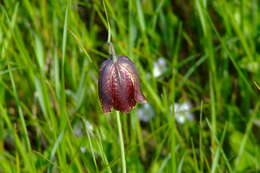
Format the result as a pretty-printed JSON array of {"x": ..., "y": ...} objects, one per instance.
[
  {"x": 139, "y": 98},
  {"x": 106, "y": 108}
]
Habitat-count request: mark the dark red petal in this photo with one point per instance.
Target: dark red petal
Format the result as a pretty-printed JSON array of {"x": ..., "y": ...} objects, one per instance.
[
  {"x": 123, "y": 89},
  {"x": 139, "y": 97},
  {"x": 104, "y": 84},
  {"x": 119, "y": 85},
  {"x": 127, "y": 64}
]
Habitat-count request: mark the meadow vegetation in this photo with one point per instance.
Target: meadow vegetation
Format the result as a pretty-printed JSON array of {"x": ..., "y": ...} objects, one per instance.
[{"x": 50, "y": 114}]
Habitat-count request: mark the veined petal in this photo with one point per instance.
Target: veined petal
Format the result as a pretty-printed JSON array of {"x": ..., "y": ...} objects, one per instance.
[
  {"x": 129, "y": 66},
  {"x": 119, "y": 85},
  {"x": 123, "y": 95},
  {"x": 104, "y": 84}
]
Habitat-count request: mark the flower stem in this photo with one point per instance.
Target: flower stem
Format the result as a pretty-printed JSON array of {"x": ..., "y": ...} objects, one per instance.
[
  {"x": 121, "y": 141},
  {"x": 112, "y": 51}
]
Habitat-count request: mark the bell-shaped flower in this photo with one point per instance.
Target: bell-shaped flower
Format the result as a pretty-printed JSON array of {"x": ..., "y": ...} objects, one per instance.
[{"x": 119, "y": 85}]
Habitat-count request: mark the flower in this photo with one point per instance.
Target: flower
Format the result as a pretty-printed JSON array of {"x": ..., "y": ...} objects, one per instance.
[
  {"x": 183, "y": 112},
  {"x": 119, "y": 85},
  {"x": 145, "y": 112},
  {"x": 78, "y": 128},
  {"x": 159, "y": 67}
]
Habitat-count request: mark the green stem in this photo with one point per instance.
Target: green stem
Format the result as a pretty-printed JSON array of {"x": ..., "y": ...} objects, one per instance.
[
  {"x": 112, "y": 51},
  {"x": 121, "y": 141}
]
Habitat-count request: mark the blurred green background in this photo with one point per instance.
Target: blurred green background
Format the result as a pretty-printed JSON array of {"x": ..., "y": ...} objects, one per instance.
[{"x": 199, "y": 65}]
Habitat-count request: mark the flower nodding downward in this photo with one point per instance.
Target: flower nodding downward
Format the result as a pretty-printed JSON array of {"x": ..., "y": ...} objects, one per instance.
[{"x": 119, "y": 85}]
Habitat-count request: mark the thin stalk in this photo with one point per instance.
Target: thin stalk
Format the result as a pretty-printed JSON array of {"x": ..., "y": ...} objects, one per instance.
[
  {"x": 121, "y": 141},
  {"x": 112, "y": 51},
  {"x": 108, "y": 24},
  {"x": 111, "y": 47}
]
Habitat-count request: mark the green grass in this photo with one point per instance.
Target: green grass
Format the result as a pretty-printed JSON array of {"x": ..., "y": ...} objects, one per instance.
[{"x": 50, "y": 53}]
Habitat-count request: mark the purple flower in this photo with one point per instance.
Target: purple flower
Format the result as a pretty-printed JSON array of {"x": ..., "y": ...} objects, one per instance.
[{"x": 119, "y": 85}]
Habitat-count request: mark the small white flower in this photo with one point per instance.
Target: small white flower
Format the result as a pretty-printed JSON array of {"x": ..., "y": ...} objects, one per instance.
[
  {"x": 183, "y": 112},
  {"x": 77, "y": 129},
  {"x": 145, "y": 112},
  {"x": 88, "y": 125},
  {"x": 83, "y": 149},
  {"x": 159, "y": 67}
]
